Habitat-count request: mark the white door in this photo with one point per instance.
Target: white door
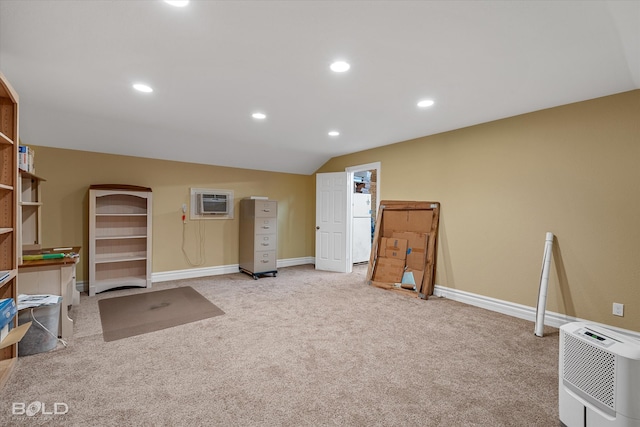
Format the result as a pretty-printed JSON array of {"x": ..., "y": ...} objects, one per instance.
[{"x": 333, "y": 222}]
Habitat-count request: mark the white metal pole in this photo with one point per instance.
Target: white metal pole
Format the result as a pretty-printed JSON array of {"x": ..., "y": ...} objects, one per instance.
[{"x": 544, "y": 282}]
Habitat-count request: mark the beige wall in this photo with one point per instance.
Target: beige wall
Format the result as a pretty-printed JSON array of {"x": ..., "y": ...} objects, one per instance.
[
  {"x": 65, "y": 205},
  {"x": 572, "y": 170}
]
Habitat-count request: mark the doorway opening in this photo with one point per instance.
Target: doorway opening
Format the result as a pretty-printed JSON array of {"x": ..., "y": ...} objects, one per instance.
[{"x": 364, "y": 209}]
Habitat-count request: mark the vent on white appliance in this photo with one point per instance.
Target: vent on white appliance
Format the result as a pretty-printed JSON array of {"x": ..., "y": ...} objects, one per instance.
[{"x": 599, "y": 377}]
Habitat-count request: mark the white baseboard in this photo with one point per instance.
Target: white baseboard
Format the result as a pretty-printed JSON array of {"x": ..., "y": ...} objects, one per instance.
[
  {"x": 291, "y": 262},
  {"x": 82, "y": 286},
  {"x": 192, "y": 273},
  {"x": 517, "y": 310}
]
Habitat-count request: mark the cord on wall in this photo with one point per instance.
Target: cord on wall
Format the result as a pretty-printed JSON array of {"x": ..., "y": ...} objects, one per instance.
[{"x": 200, "y": 247}]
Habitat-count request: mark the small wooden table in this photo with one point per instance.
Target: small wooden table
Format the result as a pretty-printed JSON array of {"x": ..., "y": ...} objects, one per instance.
[{"x": 54, "y": 277}]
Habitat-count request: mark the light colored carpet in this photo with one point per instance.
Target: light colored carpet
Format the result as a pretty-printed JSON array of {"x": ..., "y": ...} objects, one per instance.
[{"x": 305, "y": 348}]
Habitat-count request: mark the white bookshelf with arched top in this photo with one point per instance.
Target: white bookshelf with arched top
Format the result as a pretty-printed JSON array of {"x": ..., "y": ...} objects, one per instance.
[{"x": 119, "y": 237}]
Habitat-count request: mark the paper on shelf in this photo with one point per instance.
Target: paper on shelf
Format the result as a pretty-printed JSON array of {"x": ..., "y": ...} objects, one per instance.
[{"x": 28, "y": 301}]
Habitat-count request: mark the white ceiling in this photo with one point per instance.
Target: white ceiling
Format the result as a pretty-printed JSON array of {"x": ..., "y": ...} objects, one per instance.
[{"x": 214, "y": 63}]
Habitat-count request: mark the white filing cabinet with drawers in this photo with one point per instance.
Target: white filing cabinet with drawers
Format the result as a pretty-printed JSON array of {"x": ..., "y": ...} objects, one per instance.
[{"x": 258, "y": 236}]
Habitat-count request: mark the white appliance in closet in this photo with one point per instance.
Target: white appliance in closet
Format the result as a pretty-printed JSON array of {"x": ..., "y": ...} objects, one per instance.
[{"x": 361, "y": 227}]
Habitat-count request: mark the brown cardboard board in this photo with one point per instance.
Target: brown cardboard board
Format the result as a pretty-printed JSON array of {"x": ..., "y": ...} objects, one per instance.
[
  {"x": 389, "y": 270},
  {"x": 391, "y": 247},
  {"x": 391, "y": 253},
  {"x": 393, "y": 221},
  {"x": 414, "y": 239},
  {"x": 15, "y": 335},
  {"x": 381, "y": 247},
  {"x": 416, "y": 248},
  {"x": 417, "y": 259},
  {"x": 417, "y": 222}
]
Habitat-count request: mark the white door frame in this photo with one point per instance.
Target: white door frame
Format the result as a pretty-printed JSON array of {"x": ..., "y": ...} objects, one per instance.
[
  {"x": 349, "y": 176},
  {"x": 351, "y": 170}
]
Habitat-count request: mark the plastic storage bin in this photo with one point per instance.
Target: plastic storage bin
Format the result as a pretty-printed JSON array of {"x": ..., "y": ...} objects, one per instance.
[{"x": 42, "y": 336}]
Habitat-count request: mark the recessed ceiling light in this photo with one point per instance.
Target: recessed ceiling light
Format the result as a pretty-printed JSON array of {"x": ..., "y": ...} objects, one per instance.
[
  {"x": 141, "y": 87},
  {"x": 340, "y": 66},
  {"x": 259, "y": 116},
  {"x": 177, "y": 3},
  {"x": 425, "y": 103},
  {"x": 334, "y": 133}
]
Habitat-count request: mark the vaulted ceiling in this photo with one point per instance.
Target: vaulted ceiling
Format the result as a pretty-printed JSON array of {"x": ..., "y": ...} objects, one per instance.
[{"x": 212, "y": 64}]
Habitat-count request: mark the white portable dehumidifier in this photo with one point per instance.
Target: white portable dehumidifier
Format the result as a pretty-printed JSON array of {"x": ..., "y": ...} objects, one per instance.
[{"x": 599, "y": 377}]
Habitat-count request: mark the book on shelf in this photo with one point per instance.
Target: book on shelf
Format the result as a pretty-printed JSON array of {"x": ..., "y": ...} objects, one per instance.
[
  {"x": 4, "y": 332},
  {"x": 8, "y": 310},
  {"x": 26, "y": 156},
  {"x": 7, "y": 314},
  {"x": 23, "y": 157}
]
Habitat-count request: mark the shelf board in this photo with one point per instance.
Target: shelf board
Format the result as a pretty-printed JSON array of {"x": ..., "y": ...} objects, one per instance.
[
  {"x": 121, "y": 214},
  {"x": 6, "y": 187},
  {"x": 4, "y": 139},
  {"x": 26, "y": 174},
  {"x": 12, "y": 274},
  {"x": 120, "y": 257},
  {"x": 30, "y": 204},
  {"x": 122, "y": 281},
  {"x": 134, "y": 236},
  {"x": 5, "y": 230}
]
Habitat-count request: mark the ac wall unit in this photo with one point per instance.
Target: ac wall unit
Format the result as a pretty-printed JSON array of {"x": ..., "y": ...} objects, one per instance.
[
  {"x": 213, "y": 204},
  {"x": 599, "y": 377}
]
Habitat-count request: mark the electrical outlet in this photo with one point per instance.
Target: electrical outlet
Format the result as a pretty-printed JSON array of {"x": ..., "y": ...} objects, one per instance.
[
  {"x": 618, "y": 309},
  {"x": 184, "y": 208}
]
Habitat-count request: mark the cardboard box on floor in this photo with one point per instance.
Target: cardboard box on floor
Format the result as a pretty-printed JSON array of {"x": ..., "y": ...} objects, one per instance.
[{"x": 415, "y": 223}]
